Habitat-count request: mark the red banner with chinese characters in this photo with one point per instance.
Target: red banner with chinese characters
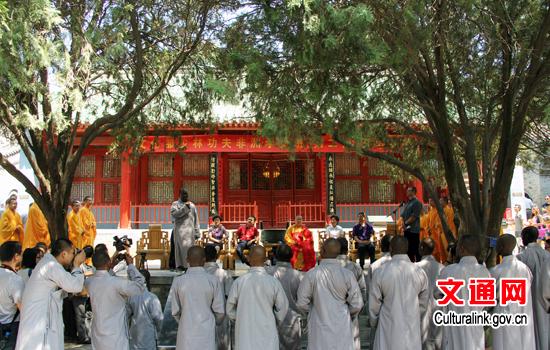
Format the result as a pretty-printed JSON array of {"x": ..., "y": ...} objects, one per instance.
[{"x": 228, "y": 143}]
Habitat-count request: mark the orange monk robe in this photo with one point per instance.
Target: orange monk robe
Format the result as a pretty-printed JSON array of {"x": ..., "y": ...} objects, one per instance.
[
  {"x": 36, "y": 229},
  {"x": 450, "y": 219},
  {"x": 300, "y": 240},
  {"x": 11, "y": 226},
  {"x": 89, "y": 224},
  {"x": 76, "y": 229},
  {"x": 435, "y": 231},
  {"x": 423, "y": 226}
]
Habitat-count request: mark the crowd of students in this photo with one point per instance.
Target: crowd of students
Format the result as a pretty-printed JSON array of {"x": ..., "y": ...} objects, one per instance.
[{"x": 269, "y": 304}]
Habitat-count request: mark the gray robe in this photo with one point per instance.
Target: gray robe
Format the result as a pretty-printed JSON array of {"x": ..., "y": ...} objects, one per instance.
[
  {"x": 145, "y": 313},
  {"x": 186, "y": 229},
  {"x": 535, "y": 258},
  {"x": 398, "y": 298},
  {"x": 290, "y": 332},
  {"x": 384, "y": 259},
  {"x": 360, "y": 277},
  {"x": 463, "y": 337},
  {"x": 41, "y": 323},
  {"x": 257, "y": 302},
  {"x": 331, "y": 295},
  {"x": 513, "y": 337},
  {"x": 197, "y": 305},
  {"x": 545, "y": 281},
  {"x": 431, "y": 334},
  {"x": 108, "y": 296},
  {"x": 223, "y": 330}
]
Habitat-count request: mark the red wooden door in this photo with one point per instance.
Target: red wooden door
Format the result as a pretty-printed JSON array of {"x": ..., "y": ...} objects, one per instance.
[{"x": 270, "y": 179}]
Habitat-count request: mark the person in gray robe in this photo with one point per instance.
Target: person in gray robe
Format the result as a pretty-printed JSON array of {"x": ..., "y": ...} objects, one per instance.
[
  {"x": 431, "y": 334},
  {"x": 223, "y": 331},
  {"x": 41, "y": 323},
  {"x": 145, "y": 314},
  {"x": 398, "y": 298},
  {"x": 360, "y": 277},
  {"x": 197, "y": 304},
  {"x": 186, "y": 227},
  {"x": 464, "y": 337},
  {"x": 257, "y": 303},
  {"x": 108, "y": 296},
  {"x": 384, "y": 259},
  {"x": 545, "y": 281},
  {"x": 331, "y": 296},
  {"x": 535, "y": 257},
  {"x": 290, "y": 331},
  {"x": 512, "y": 337}
]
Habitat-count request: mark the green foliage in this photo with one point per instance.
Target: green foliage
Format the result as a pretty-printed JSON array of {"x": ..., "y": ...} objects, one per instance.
[
  {"x": 88, "y": 67},
  {"x": 439, "y": 89}
]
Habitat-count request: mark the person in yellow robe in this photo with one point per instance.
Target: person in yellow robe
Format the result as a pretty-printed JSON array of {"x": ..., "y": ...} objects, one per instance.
[
  {"x": 76, "y": 228},
  {"x": 88, "y": 221},
  {"x": 423, "y": 225},
  {"x": 435, "y": 232},
  {"x": 36, "y": 229},
  {"x": 11, "y": 225},
  {"x": 450, "y": 219},
  {"x": 299, "y": 238}
]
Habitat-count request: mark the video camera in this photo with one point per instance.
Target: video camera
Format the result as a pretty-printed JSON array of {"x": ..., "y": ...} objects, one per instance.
[{"x": 122, "y": 243}]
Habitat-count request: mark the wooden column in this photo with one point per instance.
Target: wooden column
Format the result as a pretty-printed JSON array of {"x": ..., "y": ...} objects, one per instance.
[
  {"x": 125, "y": 190},
  {"x": 323, "y": 175},
  {"x": 213, "y": 180},
  {"x": 331, "y": 185}
]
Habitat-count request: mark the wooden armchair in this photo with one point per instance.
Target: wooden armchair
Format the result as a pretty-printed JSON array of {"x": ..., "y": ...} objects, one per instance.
[
  {"x": 321, "y": 235},
  {"x": 233, "y": 251},
  {"x": 352, "y": 249},
  {"x": 223, "y": 253},
  {"x": 153, "y": 244}
]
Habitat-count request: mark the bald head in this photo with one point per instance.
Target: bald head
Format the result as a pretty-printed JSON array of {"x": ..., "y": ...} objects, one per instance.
[
  {"x": 469, "y": 245},
  {"x": 399, "y": 245},
  {"x": 196, "y": 256},
  {"x": 427, "y": 246},
  {"x": 331, "y": 248},
  {"x": 256, "y": 256},
  {"x": 506, "y": 244}
]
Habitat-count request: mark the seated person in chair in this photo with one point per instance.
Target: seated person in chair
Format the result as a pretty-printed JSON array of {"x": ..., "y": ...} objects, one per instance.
[
  {"x": 216, "y": 233},
  {"x": 299, "y": 238},
  {"x": 334, "y": 230},
  {"x": 247, "y": 237},
  {"x": 362, "y": 233}
]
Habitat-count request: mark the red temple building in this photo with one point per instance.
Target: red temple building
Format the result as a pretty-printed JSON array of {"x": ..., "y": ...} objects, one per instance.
[{"x": 235, "y": 173}]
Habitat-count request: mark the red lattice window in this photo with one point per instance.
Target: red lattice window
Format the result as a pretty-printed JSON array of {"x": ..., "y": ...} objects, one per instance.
[
  {"x": 111, "y": 193},
  {"x": 160, "y": 192},
  {"x": 82, "y": 189},
  {"x": 284, "y": 179},
  {"x": 161, "y": 165},
  {"x": 111, "y": 167},
  {"x": 195, "y": 177},
  {"x": 305, "y": 174},
  {"x": 238, "y": 174},
  {"x": 259, "y": 169},
  {"x": 350, "y": 180},
  {"x": 86, "y": 167}
]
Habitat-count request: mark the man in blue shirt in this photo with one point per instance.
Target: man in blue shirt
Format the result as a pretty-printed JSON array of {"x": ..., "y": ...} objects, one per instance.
[
  {"x": 362, "y": 233},
  {"x": 411, "y": 223}
]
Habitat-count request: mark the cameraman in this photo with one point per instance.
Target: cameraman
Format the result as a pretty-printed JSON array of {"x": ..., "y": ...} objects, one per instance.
[
  {"x": 109, "y": 295},
  {"x": 41, "y": 324},
  {"x": 80, "y": 301},
  {"x": 11, "y": 293}
]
